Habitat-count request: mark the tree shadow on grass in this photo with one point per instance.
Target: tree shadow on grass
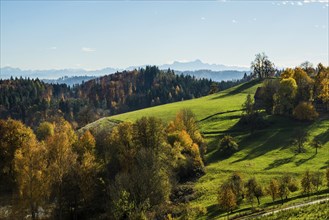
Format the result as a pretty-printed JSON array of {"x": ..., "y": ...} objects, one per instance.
[
  {"x": 301, "y": 161},
  {"x": 239, "y": 89},
  {"x": 214, "y": 211},
  {"x": 215, "y": 154},
  {"x": 323, "y": 137},
  {"x": 268, "y": 142},
  {"x": 279, "y": 162},
  {"x": 325, "y": 166}
]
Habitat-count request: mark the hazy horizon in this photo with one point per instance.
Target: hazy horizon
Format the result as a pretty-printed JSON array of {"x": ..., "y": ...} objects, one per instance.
[{"x": 87, "y": 35}]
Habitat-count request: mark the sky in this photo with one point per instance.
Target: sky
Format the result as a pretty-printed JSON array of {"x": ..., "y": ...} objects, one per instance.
[{"x": 119, "y": 34}]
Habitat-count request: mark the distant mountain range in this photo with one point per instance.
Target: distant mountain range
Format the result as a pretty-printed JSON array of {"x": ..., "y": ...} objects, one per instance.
[
  {"x": 199, "y": 65},
  {"x": 197, "y": 68},
  {"x": 7, "y": 72}
]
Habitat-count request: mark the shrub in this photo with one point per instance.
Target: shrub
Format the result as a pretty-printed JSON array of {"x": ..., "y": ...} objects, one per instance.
[
  {"x": 227, "y": 143},
  {"x": 305, "y": 111}
]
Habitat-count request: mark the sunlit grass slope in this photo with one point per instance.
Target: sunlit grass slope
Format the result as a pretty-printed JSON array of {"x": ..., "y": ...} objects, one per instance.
[
  {"x": 265, "y": 154},
  {"x": 227, "y": 100}
]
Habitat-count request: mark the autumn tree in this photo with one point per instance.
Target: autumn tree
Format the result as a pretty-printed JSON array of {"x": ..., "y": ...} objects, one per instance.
[
  {"x": 236, "y": 183},
  {"x": 227, "y": 200},
  {"x": 306, "y": 183},
  {"x": 186, "y": 139},
  {"x": 262, "y": 67},
  {"x": 287, "y": 73},
  {"x": 32, "y": 174},
  {"x": 13, "y": 135},
  {"x": 322, "y": 84},
  {"x": 307, "y": 66},
  {"x": 317, "y": 179},
  {"x": 304, "y": 85},
  {"x": 287, "y": 184},
  {"x": 45, "y": 130},
  {"x": 273, "y": 189},
  {"x": 62, "y": 159},
  {"x": 327, "y": 177},
  {"x": 253, "y": 189},
  {"x": 305, "y": 111},
  {"x": 146, "y": 181},
  {"x": 83, "y": 181}
]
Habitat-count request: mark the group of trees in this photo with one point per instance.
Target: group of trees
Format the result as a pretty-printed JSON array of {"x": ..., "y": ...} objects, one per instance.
[
  {"x": 299, "y": 92},
  {"x": 57, "y": 166},
  {"x": 126, "y": 173},
  {"x": 234, "y": 190},
  {"x": 33, "y": 101}
]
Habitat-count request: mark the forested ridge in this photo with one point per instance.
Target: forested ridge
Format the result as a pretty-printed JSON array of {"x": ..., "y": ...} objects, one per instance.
[{"x": 33, "y": 101}]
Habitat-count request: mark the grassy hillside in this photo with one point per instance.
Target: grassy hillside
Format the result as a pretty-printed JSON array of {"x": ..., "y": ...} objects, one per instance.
[
  {"x": 264, "y": 154},
  {"x": 221, "y": 102}
]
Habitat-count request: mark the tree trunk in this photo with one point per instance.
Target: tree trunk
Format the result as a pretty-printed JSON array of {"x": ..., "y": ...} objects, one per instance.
[
  {"x": 258, "y": 200},
  {"x": 32, "y": 213}
]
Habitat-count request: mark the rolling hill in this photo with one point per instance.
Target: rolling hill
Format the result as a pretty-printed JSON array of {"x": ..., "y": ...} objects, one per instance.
[{"x": 264, "y": 154}]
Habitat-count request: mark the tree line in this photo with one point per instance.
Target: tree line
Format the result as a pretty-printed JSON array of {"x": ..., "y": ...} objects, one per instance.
[
  {"x": 129, "y": 172},
  {"x": 235, "y": 190},
  {"x": 33, "y": 101},
  {"x": 301, "y": 92}
]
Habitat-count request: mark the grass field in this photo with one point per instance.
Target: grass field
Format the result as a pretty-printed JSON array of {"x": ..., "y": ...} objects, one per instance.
[
  {"x": 265, "y": 154},
  {"x": 316, "y": 211}
]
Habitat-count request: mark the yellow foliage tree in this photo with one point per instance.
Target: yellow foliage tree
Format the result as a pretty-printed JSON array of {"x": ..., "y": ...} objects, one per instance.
[
  {"x": 32, "y": 174},
  {"x": 62, "y": 158},
  {"x": 305, "y": 111}
]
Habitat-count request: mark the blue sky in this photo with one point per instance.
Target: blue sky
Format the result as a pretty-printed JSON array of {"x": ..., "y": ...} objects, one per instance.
[{"x": 94, "y": 35}]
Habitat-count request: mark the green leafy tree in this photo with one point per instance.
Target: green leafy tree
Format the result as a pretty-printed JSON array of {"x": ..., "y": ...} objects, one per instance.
[
  {"x": 227, "y": 143},
  {"x": 248, "y": 105},
  {"x": 285, "y": 98},
  {"x": 316, "y": 144},
  {"x": 300, "y": 138}
]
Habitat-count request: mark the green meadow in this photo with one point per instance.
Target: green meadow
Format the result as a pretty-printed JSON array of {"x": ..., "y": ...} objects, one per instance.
[{"x": 264, "y": 154}]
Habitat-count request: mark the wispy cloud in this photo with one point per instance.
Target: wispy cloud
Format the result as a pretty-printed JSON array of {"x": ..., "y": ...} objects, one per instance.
[
  {"x": 203, "y": 18},
  {"x": 87, "y": 49},
  {"x": 316, "y": 1},
  {"x": 52, "y": 48},
  {"x": 234, "y": 21},
  {"x": 296, "y": 3},
  {"x": 320, "y": 26}
]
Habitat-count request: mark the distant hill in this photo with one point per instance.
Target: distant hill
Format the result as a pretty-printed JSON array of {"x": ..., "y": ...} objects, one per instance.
[
  {"x": 199, "y": 65},
  {"x": 195, "y": 67},
  {"x": 70, "y": 81},
  {"x": 7, "y": 72},
  {"x": 217, "y": 76},
  {"x": 33, "y": 100}
]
